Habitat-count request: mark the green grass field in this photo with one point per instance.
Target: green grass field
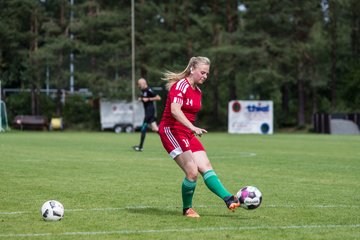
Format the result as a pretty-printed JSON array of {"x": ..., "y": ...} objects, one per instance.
[{"x": 310, "y": 185}]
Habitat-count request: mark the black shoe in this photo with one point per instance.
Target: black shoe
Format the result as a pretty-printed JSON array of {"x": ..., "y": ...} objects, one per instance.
[
  {"x": 137, "y": 148},
  {"x": 232, "y": 202}
]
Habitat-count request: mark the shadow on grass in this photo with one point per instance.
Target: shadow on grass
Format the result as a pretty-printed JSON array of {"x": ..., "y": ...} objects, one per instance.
[
  {"x": 178, "y": 212},
  {"x": 154, "y": 211},
  {"x": 228, "y": 215}
]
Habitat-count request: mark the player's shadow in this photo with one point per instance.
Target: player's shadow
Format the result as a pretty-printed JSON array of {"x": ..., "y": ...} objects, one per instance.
[
  {"x": 227, "y": 215},
  {"x": 153, "y": 211},
  {"x": 177, "y": 212}
]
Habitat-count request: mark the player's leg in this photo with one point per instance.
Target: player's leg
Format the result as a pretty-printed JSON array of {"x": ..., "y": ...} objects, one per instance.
[
  {"x": 181, "y": 154},
  {"x": 149, "y": 119},
  {"x": 139, "y": 148},
  {"x": 143, "y": 134},
  {"x": 210, "y": 178},
  {"x": 154, "y": 126},
  {"x": 187, "y": 164}
]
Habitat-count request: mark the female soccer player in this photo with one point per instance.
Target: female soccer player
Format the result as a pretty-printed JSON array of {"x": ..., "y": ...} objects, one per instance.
[{"x": 178, "y": 133}]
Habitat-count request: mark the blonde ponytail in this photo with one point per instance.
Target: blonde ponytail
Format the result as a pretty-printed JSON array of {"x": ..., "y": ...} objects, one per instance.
[{"x": 172, "y": 77}]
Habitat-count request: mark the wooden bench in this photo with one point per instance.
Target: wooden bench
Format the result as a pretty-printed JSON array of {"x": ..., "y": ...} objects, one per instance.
[{"x": 30, "y": 122}]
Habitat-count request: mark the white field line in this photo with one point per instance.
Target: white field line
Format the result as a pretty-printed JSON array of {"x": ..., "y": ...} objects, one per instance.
[
  {"x": 237, "y": 154},
  {"x": 233, "y": 156},
  {"x": 174, "y": 207},
  {"x": 175, "y": 230}
]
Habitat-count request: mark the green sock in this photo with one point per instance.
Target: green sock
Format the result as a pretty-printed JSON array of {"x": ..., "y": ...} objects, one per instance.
[
  {"x": 187, "y": 189},
  {"x": 213, "y": 183}
]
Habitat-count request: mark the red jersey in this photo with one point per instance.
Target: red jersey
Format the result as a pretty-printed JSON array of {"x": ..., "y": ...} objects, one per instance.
[{"x": 189, "y": 99}]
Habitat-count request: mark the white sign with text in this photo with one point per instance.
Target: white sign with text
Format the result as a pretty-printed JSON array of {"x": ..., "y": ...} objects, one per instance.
[{"x": 250, "y": 117}]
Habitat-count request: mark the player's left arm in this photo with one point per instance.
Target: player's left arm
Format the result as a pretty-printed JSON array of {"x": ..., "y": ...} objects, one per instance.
[
  {"x": 179, "y": 115},
  {"x": 155, "y": 98}
]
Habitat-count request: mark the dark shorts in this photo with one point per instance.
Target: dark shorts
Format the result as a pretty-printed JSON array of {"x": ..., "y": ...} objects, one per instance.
[{"x": 149, "y": 119}]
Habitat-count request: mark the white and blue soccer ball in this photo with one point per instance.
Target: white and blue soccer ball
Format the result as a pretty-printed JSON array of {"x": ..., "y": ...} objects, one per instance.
[
  {"x": 52, "y": 210},
  {"x": 250, "y": 197}
]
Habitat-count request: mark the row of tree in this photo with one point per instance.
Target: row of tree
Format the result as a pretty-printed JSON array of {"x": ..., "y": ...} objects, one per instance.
[{"x": 302, "y": 54}]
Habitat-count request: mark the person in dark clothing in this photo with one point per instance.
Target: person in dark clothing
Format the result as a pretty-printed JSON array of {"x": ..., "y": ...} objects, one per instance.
[{"x": 148, "y": 96}]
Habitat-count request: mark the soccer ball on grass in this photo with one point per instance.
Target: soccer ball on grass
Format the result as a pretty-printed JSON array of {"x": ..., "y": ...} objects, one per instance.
[
  {"x": 52, "y": 210},
  {"x": 250, "y": 197}
]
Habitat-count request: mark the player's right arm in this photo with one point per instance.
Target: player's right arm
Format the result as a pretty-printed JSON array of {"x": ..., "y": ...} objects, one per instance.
[{"x": 179, "y": 115}]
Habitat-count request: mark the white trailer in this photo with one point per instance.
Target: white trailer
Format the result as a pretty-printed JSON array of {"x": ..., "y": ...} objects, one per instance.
[{"x": 121, "y": 116}]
